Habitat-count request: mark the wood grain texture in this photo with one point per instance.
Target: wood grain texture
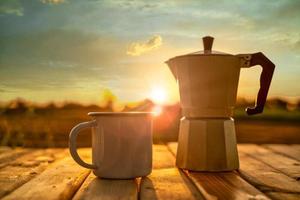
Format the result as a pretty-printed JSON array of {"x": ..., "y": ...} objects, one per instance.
[
  {"x": 8, "y": 156},
  {"x": 167, "y": 184},
  {"x": 265, "y": 177},
  {"x": 283, "y": 196},
  {"x": 33, "y": 157},
  {"x": 289, "y": 150},
  {"x": 166, "y": 181},
  {"x": 172, "y": 146},
  {"x": 222, "y": 185},
  {"x": 21, "y": 170},
  {"x": 162, "y": 158},
  {"x": 50, "y": 174},
  {"x": 286, "y": 165},
  {"x": 5, "y": 149},
  {"x": 226, "y": 185},
  {"x": 296, "y": 146},
  {"x": 95, "y": 188},
  {"x": 60, "y": 181}
]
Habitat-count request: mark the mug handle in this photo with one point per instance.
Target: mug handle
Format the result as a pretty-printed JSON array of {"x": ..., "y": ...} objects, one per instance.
[{"x": 72, "y": 142}]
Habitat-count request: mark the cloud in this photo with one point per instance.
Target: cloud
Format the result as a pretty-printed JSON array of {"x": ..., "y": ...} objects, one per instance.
[
  {"x": 136, "y": 5},
  {"x": 12, "y": 7},
  {"x": 61, "y": 47},
  {"x": 53, "y": 1},
  {"x": 4, "y": 89},
  {"x": 137, "y": 48},
  {"x": 62, "y": 56},
  {"x": 297, "y": 45}
]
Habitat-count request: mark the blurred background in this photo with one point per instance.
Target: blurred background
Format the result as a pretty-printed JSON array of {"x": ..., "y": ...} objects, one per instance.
[
  {"x": 60, "y": 59},
  {"x": 48, "y": 125}
]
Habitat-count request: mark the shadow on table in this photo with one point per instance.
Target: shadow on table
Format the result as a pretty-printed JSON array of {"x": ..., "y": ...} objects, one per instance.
[
  {"x": 94, "y": 187},
  {"x": 147, "y": 189}
]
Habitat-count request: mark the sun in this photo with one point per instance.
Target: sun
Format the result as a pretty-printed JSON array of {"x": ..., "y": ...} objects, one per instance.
[
  {"x": 157, "y": 110},
  {"x": 158, "y": 95}
]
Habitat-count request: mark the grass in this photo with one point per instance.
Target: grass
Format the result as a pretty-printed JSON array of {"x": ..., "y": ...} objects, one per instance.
[
  {"x": 49, "y": 126},
  {"x": 270, "y": 114}
]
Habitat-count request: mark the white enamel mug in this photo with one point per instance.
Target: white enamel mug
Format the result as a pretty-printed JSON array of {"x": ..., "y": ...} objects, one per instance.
[{"x": 121, "y": 144}]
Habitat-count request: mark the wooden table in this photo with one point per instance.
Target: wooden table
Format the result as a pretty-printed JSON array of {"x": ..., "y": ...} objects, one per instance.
[{"x": 266, "y": 172}]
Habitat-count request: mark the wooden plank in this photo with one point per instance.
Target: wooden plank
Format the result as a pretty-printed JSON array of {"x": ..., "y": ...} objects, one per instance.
[
  {"x": 9, "y": 156},
  {"x": 33, "y": 156},
  {"x": 60, "y": 181},
  {"x": 265, "y": 177},
  {"x": 169, "y": 183},
  {"x": 166, "y": 181},
  {"x": 96, "y": 188},
  {"x": 25, "y": 168},
  {"x": 5, "y": 149},
  {"x": 172, "y": 146},
  {"x": 288, "y": 150},
  {"x": 162, "y": 157},
  {"x": 296, "y": 146},
  {"x": 286, "y": 165},
  {"x": 268, "y": 179},
  {"x": 283, "y": 196},
  {"x": 224, "y": 185}
]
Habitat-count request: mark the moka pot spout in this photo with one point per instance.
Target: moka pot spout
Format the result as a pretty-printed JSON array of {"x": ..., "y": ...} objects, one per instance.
[{"x": 172, "y": 67}]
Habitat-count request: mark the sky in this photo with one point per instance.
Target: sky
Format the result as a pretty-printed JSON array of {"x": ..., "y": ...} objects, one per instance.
[{"x": 73, "y": 50}]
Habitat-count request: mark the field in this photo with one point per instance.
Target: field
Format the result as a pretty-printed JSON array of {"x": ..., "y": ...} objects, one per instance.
[{"x": 49, "y": 126}]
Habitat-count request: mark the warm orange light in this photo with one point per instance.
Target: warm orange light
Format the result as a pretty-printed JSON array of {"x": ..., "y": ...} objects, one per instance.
[
  {"x": 158, "y": 95},
  {"x": 157, "y": 110}
]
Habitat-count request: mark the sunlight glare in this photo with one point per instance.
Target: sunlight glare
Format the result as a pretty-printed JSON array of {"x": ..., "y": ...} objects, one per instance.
[
  {"x": 157, "y": 110},
  {"x": 158, "y": 95}
]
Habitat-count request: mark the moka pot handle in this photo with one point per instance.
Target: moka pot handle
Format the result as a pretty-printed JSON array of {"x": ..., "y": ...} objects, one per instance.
[{"x": 265, "y": 79}]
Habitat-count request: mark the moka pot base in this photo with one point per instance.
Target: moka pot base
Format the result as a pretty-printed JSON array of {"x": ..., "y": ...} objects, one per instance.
[{"x": 207, "y": 144}]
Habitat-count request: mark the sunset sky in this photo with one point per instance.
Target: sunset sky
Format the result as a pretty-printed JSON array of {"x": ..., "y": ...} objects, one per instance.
[{"x": 57, "y": 50}]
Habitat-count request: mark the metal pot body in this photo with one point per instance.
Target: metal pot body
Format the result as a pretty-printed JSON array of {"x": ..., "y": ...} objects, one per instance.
[{"x": 207, "y": 84}]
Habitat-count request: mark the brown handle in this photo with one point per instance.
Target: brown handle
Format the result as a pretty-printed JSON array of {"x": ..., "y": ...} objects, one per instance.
[{"x": 265, "y": 81}]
